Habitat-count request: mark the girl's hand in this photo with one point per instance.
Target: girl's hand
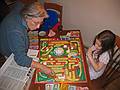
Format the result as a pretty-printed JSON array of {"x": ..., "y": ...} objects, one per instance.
[
  {"x": 91, "y": 49},
  {"x": 89, "y": 52}
]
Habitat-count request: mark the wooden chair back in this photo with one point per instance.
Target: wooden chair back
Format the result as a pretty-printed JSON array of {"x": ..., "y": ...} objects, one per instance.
[
  {"x": 56, "y": 7},
  {"x": 112, "y": 70}
]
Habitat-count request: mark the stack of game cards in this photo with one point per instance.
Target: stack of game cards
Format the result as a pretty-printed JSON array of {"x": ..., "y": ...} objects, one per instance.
[
  {"x": 33, "y": 39},
  {"x": 59, "y": 87}
]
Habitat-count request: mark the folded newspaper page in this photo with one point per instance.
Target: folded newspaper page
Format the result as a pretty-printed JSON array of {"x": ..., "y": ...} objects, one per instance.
[{"x": 13, "y": 76}]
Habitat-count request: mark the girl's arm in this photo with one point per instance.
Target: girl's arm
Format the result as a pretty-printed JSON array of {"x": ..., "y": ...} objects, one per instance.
[{"x": 96, "y": 65}]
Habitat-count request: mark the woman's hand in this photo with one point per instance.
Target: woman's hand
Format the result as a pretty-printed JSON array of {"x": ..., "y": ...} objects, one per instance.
[
  {"x": 51, "y": 33},
  {"x": 46, "y": 70},
  {"x": 43, "y": 68}
]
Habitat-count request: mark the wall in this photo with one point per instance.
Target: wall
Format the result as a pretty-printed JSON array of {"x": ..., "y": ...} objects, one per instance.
[{"x": 91, "y": 17}]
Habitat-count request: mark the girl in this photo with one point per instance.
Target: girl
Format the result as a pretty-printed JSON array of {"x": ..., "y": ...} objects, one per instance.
[{"x": 98, "y": 55}]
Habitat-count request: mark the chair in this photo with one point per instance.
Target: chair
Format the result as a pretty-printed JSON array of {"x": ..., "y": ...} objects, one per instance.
[
  {"x": 56, "y": 7},
  {"x": 112, "y": 71}
]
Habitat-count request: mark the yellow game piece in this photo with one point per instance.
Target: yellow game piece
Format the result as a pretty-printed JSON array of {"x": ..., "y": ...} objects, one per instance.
[
  {"x": 43, "y": 39},
  {"x": 63, "y": 86}
]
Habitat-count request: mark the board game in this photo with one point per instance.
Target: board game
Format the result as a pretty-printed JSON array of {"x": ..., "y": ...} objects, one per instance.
[{"x": 64, "y": 56}]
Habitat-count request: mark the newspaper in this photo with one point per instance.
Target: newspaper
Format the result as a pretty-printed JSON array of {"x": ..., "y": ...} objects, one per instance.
[{"x": 13, "y": 76}]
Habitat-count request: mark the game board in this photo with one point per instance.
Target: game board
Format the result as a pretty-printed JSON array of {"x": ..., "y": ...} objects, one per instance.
[{"x": 64, "y": 56}]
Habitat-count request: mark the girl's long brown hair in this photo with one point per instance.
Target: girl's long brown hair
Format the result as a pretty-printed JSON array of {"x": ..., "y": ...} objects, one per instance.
[{"x": 107, "y": 39}]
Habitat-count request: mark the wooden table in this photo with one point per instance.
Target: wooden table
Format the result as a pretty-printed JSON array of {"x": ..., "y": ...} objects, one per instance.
[{"x": 62, "y": 35}]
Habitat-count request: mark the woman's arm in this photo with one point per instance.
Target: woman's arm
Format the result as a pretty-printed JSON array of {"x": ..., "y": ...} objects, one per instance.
[{"x": 18, "y": 47}]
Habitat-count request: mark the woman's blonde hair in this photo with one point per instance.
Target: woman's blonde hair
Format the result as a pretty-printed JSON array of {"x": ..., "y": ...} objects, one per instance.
[{"x": 34, "y": 9}]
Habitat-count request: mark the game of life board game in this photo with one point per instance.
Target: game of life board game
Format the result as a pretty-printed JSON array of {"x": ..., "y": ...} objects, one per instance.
[{"x": 64, "y": 56}]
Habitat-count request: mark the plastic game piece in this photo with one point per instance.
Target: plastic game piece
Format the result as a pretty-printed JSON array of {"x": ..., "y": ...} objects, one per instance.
[
  {"x": 49, "y": 56},
  {"x": 65, "y": 46},
  {"x": 45, "y": 63},
  {"x": 42, "y": 33}
]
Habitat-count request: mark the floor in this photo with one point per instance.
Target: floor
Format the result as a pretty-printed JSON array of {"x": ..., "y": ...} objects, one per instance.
[{"x": 115, "y": 85}]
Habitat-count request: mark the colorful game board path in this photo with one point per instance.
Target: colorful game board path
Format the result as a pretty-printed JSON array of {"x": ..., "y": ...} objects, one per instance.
[{"x": 65, "y": 55}]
